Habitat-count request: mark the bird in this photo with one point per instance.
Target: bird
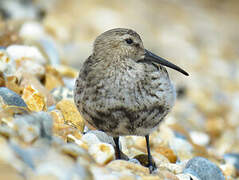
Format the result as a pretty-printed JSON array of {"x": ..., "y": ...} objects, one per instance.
[{"x": 124, "y": 89}]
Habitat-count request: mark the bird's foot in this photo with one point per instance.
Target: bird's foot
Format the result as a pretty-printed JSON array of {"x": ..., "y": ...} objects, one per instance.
[{"x": 152, "y": 168}]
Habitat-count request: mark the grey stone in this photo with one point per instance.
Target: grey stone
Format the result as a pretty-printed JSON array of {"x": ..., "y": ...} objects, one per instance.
[
  {"x": 11, "y": 98},
  {"x": 40, "y": 121},
  {"x": 103, "y": 137},
  {"x": 203, "y": 169}
]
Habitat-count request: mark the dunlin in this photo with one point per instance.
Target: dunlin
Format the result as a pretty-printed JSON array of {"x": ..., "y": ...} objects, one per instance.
[{"x": 124, "y": 89}]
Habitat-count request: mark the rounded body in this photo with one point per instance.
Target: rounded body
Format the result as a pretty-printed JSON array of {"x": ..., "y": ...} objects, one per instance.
[{"x": 126, "y": 98}]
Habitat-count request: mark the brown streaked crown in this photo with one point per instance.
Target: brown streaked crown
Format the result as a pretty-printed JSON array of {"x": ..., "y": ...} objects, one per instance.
[{"x": 119, "y": 42}]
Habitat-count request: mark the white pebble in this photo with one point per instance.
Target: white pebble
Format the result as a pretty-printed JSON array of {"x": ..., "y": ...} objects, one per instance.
[
  {"x": 17, "y": 52},
  {"x": 31, "y": 67},
  {"x": 32, "y": 30},
  {"x": 183, "y": 176},
  {"x": 178, "y": 144},
  {"x": 199, "y": 138},
  {"x": 102, "y": 153},
  {"x": 186, "y": 177},
  {"x": 90, "y": 139}
]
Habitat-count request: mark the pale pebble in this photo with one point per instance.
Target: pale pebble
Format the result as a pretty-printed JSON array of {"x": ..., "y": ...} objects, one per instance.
[
  {"x": 186, "y": 177},
  {"x": 32, "y": 30},
  {"x": 199, "y": 138},
  {"x": 232, "y": 158},
  {"x": 174, "y": 168},
  {"x": 103, "y": 153},
  {"x": 159, "y": 159},
  {"x": 180, "y": 144},
  {"x": 167, "y": 175},
  {"x": 72, "y": 150},
  {"x": 31, "y": 67},
  {"x": 53, "y": 163},
  {"x": 90, "y": 139},
  {"x": 182, "y": 148},
  {"x": 35, "y": 31},
  {"x": 6, "y": 131},
  {"x": 183, "y": 177},
  {"x": 29, "y": 80},
  {"x": 26, "y": 131},
  {"x": 228, "y": 169},
  {"x": 7, "y": 65},
  {"x": 103, "y": 173},
  {"x": 34, "y": 125},
  {"x": 79, "y": 142},
  {"x": 7, "y": 69},
  {"x": 8, "y": 156},
  {"x": 126, "y": 166},
  {"x": 18, "y": 52}
]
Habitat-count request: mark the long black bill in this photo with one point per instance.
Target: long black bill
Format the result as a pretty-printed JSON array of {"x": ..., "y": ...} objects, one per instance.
[{"x": 154, "y": 58}]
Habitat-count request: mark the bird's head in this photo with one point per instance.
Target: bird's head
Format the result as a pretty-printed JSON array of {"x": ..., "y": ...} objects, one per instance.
[
  {"x": 119, "y": 43},
  {"x": 125, "y": 44}
]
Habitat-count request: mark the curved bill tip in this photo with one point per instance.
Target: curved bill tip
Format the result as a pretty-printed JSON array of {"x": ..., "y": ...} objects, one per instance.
[{"x": 154, "y": 58}]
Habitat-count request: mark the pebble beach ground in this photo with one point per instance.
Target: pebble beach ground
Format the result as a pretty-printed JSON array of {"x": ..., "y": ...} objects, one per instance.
[{"x": 42, "y": 47}]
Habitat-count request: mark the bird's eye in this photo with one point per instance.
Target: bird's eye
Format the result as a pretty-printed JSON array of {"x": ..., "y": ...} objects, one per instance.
[{"x": 129, "y": 41}]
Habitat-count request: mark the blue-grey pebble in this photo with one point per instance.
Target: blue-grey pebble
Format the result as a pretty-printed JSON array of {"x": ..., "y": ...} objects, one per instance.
[
  {"x": 203, "y": 169},
  {"x": 232, "y": 158},
  {"x": 11, "y": 98},
  {"x": 41, "y": 120}
]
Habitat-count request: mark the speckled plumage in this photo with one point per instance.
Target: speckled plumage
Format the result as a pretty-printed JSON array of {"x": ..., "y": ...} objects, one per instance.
[{"x": 117, "y": 93}]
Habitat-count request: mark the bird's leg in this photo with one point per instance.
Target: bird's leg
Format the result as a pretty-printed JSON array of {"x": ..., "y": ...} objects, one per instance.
[
  {"x": 116, "y": 140},
  {"x": 151, "y": 166}
]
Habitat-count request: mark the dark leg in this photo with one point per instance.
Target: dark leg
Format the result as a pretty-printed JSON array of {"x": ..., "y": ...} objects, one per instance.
[
  {"x": 152, "y": 167},
  {"x": 116, "y": 140}
]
